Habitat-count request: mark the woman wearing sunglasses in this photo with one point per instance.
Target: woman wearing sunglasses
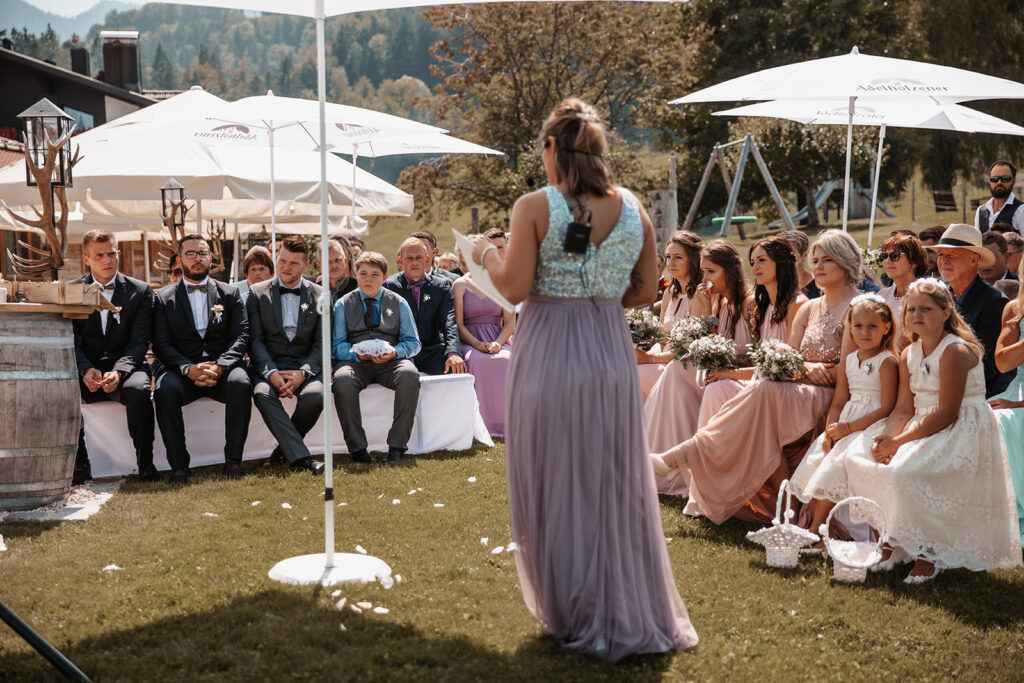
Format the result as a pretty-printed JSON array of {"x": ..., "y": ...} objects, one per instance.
[{"x": 903, "y": 260}]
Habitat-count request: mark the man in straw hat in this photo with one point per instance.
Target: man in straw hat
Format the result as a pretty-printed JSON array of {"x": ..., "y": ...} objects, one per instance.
[{"x": 960, "y": 255}]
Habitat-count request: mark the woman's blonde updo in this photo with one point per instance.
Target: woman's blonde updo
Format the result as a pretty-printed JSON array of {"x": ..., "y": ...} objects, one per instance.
[{"x": 580, "y": 146}]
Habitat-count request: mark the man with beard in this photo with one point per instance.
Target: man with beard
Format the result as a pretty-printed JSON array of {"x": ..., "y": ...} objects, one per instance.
[
  {"x": 1003, "y": 207},
  {"x": 200, "y": 334}
]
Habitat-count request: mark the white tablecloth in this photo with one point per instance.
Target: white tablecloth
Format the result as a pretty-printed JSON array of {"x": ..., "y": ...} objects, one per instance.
[{"x": 447, "y": 418}]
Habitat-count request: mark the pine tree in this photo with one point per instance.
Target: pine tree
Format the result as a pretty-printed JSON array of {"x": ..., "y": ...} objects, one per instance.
[{"x": 163, "y": 71}]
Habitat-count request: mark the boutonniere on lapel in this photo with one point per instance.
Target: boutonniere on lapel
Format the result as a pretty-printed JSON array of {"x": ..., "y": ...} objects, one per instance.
[
  {"x": 304, "y": 307},
  {"x": 426, "y": 297},
  {"x": 867, "y": 369},
  {"x": 117, "y": 315},
  {"x": 218, "y": 312},
  {"x": 388, "y": 312}
]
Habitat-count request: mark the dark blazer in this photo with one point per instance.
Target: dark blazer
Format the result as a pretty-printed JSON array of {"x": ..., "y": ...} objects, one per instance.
[
  {"x": 435, "y": 318},
  {"x": 175, "y": 339},
  {"x": 123, "y": 347},
  {"x": 446, "y": 274},
  {"x": 269, "y": 348},
  {"x": 982, "y": 308}
]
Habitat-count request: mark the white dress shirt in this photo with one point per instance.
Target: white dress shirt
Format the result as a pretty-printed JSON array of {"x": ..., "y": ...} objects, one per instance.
[
  {"x": 200, "y": 306},
  {"x": 290, "y": 314},
  {"x": 1017, "y": 220},
  {"x": 109, "y": 294}
]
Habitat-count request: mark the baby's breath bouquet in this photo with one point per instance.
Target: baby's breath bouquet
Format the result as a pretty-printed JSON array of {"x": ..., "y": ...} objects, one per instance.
[
  {"x": 687, "y": 330},
  {"x": 645, "y": 328},
  {"x": 776, "y": 360},
  {"x": 713, "y": 352}
]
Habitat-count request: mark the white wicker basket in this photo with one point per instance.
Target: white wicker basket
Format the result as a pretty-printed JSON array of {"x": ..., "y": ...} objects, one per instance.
[
  {"x": 782, "y": 540},
  {"x": 852, "y": 559}
]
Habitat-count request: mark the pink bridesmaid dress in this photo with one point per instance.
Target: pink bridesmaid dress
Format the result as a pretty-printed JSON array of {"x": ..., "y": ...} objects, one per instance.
[
  {"x": 482, "y": 317},
  {"x": 717, "y": 393},
  {"x": 672, "y": 408},
  {"x": 671, "y": 311},
  {"x": 730, "y": 458}
]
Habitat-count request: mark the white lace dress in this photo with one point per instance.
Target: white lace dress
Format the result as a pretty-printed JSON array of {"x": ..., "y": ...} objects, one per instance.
[
  {"x": 823, "y": 475},
  {"x": 947, "y": 497}
]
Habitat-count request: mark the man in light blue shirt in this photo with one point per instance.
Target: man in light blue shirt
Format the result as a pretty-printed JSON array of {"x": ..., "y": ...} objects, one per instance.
[{"x": 372, "y": 312}]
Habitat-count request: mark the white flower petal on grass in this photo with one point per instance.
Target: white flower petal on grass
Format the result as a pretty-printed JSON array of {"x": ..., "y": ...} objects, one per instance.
[
  {"x": 380, "y": 496},
  {"x": 398, "y": 578},
  {"x": 111, "y": 568},
  {"x": 411, "y": 491},
  {"x": 209, "y": 514},
  {"x": 439, "y": 505},
  {"x": 483, "y": 541},
  {"x": 668, "y": 539},
  {"x": 340, "y": 605},
  {"x": 255, "y": 503},
  {"x": 387, "y": 582},
  {"x": 381, "y": 610},
  {"x": 365, "y": 604},
  {"x": 419, "y": 489},
  {"x": 497, "y": 550},
  {"x": 360, "y": 549},
  {"x": 355, "y": 609},
  {"x": 336, "y": 593},
  {"x": 472, "y": 480},
  {"x": 286, "y": 506},
  {"x": 396, "y": 501},
  {"x": 343, "y": 627},
  {"x": 305, "y": 518},
  {"x": 341, "y": 505},
  {"x": 2, "y": 546},
  {"x": 512, "y": 547}
]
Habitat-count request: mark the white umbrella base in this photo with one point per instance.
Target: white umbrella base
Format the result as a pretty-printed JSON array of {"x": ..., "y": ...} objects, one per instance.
[{"x": 305, "y": 570}]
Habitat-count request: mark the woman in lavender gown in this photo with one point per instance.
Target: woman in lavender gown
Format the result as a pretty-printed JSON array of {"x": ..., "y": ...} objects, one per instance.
[
  {"x": 592, "y": 560},
  {"x": 485, "y": 331}
]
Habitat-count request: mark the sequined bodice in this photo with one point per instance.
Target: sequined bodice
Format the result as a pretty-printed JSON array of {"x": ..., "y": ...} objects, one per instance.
[
  {"x": 823, "y": 336},
  {"x": 924, "y": 376},
  {"x": 603, "y": 272}
]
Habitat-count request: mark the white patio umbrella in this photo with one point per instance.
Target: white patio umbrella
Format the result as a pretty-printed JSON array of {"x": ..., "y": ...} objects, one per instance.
[
  {"x": 321, "y": 567},
  {"x": 854, "y": 78},
  {"x": 915, "y": 113}
]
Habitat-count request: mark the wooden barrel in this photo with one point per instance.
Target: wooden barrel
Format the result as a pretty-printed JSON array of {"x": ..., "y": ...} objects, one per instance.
[{"x": 40, "y": 409}]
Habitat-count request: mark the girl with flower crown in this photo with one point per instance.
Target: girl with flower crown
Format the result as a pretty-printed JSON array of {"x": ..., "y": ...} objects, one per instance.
[
  {"x": 937, "y": 466},
  {"x": 865, "y": 393}
]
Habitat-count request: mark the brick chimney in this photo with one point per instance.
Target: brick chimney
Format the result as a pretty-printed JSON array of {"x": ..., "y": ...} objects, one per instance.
[{"x": 121, "y": 59}]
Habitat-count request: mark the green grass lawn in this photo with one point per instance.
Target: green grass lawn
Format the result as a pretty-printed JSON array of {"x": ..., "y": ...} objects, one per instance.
[{"x": 193, "y": 601}]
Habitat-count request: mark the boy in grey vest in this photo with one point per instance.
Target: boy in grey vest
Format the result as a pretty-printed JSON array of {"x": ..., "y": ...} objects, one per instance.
[{"x": 372, "y": 312}]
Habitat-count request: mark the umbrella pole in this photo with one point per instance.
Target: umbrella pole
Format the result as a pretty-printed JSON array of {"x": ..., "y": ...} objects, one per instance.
[
  {"x": 273, "y": 205},
  {"x": 874, "y": 188},
  {"x": 355, "y": 160},
  {"x": 849, "y": 148}
]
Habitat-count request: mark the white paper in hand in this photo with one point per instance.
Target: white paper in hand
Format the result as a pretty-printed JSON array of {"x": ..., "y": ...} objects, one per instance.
[{"x": 481, "y": 279}]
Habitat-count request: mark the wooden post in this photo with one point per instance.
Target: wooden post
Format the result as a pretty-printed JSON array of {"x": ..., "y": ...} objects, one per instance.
[
  {"x": 963, "y": 199},
  {"x": 664, "y": 213},
  {"x": 475, "y": 214},
  {"x": 913, "y": 201}
]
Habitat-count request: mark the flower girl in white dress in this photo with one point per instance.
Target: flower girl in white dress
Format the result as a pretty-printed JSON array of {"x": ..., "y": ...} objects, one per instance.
[
  {"x": 865, "y": 393},
  {"x": 937, "y": 466}
]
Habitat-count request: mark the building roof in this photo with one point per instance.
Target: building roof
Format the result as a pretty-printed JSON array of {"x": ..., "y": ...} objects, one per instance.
[
  {"x": 11, "y": 152},
  {"x": 55, "y": 71}
]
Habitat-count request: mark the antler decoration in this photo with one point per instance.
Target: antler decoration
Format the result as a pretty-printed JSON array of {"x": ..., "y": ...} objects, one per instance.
[
  {"x": 54, "y": 228},
  {"x": 218, "y": 233},
  {"x": 162, "y": 260}
]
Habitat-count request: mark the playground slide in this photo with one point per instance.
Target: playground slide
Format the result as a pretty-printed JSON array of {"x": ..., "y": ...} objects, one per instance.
[{"x": 823, "y": 193}]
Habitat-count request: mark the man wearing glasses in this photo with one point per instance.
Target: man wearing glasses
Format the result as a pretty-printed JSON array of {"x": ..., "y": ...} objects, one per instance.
[
  {"x": 1003, "y": 207},
  {"x": 200, "y": 334}
]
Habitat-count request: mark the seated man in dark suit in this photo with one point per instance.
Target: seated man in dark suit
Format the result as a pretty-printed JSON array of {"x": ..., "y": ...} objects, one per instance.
[
  {"x": 285, "y": 352},
  {"x": 200, "y": 334},
  {"x": 110, "y": 348},
  {"x": 430, "y": 298},
  {"x": 960, "y": 255},
  {"x": 999, "y": 270},
  {"x": 372, "y": 312}
]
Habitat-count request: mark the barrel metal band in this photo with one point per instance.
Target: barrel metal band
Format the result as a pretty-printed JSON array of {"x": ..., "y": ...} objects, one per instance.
[
  {"x": 38, "y": 452},
  {"x": 13, "y": 375},
  {"x": 35, "y": 486}
]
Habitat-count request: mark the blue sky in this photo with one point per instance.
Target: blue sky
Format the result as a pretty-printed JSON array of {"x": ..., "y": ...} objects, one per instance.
[{"x": 65, "y": 8}]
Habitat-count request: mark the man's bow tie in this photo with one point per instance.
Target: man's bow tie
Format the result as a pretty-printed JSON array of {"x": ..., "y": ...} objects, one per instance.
[
  {"x": 110, "y": 286},
  {"x": 196, "y": 288},
  {"x": 285, "y": 290}
]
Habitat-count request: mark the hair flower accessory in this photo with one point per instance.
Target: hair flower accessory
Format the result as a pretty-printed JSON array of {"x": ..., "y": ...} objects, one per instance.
[
  {"x": 218, "y": 312},
  {"x": 867, "y": 296},
  {"x": 933, "y": 281}
]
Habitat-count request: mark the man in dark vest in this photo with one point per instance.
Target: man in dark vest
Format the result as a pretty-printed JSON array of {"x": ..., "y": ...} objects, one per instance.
[
  {"x": 961, "y": 254},
  {"x": 110, "y": 348},
  {"x": 285, "y": 352},
  {"x": 201, "y": 335},
  {"x": 372, "y": 312},
  {"x": 1003, "y": 207}
]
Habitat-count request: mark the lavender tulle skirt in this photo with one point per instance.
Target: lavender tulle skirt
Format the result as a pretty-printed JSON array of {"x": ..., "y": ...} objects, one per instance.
[{"x": 591, "y": 557}]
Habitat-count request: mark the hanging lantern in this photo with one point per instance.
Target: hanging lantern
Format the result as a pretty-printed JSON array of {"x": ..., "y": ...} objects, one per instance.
[
  {"x": 46, "y": 121},
  {"x": 172, "y": 200}
]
